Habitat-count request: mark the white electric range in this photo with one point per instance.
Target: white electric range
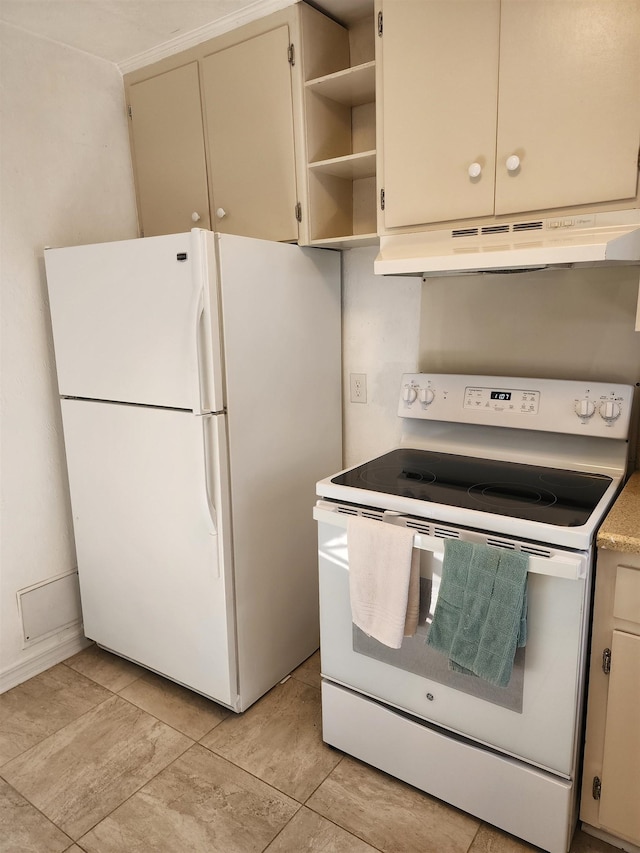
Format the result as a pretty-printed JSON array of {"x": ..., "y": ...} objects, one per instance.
[{"x": 525, "y": 464}]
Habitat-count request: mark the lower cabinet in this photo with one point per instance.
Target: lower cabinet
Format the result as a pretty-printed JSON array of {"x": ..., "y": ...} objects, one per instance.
[{"x": 610, "y": 799}]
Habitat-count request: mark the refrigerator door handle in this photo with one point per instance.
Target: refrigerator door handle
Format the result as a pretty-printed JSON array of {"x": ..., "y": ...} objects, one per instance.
[{"x": 210, "y": 506}]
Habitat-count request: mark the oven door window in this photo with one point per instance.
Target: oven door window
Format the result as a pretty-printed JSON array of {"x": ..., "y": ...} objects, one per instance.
[
  {"x": 416, "y": 657},
  {"x": 534, "y": 718}
]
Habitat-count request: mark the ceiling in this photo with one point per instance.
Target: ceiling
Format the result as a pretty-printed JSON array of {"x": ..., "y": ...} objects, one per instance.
[{"x": 124, "y": 31}]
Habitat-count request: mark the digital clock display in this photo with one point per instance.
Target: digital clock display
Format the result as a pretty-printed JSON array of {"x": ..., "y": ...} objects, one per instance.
[{"x": 501, "y": 395}]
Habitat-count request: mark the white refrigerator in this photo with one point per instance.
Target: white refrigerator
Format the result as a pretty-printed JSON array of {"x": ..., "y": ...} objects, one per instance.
[{"x": 200, "y": 387}]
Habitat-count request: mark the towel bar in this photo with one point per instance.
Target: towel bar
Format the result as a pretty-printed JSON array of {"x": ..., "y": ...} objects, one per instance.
[{"x": 557, "y": 566}]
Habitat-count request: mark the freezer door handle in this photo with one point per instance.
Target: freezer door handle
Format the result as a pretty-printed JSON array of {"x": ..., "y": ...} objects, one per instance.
[
  {"x": 197, "y": 389},
  {"x": 210, "y": 505}
]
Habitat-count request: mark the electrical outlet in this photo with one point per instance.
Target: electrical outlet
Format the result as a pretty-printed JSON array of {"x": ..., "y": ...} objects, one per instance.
[{"x": 358, "y": 387}]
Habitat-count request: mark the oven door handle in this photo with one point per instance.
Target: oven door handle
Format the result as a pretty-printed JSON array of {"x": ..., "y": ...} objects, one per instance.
[{"x": 564, "y": 566}]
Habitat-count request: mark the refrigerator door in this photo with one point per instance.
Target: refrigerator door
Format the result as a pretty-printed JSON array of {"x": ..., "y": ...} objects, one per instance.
[
  {"x": 149, "y": 497},
  {"x": 136, "y": 321},
  {"x": 281, "y": 310}
]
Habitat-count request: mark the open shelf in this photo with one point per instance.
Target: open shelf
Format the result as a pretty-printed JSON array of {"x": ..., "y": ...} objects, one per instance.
[
  {"x": 352, "y": 166},
  {"x": 352, "y": 241},
  {"x": 340, "y": 131},
  {"x": 351, "y": 87}
]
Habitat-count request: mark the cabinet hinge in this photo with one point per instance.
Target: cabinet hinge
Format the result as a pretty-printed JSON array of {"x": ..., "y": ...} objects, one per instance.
[
  {"x": 606, "y": 661},
  {"x": 596, "y": 788},
  {"x": 381, "y": 199},
  {"x": 380, "y": 24},
  {"x": 291, "y": 55},
  {"x": 298, "y": 212},
  {"x": 129, "y": 111}
]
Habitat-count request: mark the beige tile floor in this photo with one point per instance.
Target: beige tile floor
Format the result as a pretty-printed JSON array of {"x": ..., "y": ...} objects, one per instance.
[{"x": 98, "y": 755}]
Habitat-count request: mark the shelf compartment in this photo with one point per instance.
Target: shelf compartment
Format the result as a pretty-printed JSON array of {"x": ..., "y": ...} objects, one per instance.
[
  {"x": 353, "y": 166},
  {"x": 351, "y": 87},
  {"x": 341, "y": 207}
]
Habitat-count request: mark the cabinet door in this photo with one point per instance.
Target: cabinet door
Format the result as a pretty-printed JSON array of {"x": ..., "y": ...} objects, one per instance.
[
  {"x": 439, "y": 94},
  {"x": 168, "y": 150},
  {"x": 619, "y": 812},
  {"x": 249, "y": 120},
  {"x": 569, "y": 104}
]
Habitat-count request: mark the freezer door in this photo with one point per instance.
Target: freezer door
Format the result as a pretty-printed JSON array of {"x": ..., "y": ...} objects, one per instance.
[
  {"x": 136, "y": 321},
  {"x": 149, "y": 502}
]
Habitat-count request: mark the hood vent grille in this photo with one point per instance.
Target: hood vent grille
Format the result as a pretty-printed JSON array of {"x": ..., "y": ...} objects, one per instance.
[
  {"x": 528, "y": 226},
  {"x": 465, "y": 232},
  {"x": 497, "y": 229}
]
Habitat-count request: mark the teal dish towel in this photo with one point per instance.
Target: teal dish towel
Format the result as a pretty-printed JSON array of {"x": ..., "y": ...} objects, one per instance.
[{"x": 480, "y": 616}]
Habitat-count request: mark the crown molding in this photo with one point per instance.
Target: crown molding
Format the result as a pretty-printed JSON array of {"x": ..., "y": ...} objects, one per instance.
[{"x": 259, "y": 9}]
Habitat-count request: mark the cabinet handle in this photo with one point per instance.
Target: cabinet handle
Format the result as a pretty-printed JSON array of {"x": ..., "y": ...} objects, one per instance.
[
  {"x": 195, "y": 216},
  {"x": 513, "y": 163},
  {"x": 221, "y": 212},
  {"x": 474, "y": 170}
]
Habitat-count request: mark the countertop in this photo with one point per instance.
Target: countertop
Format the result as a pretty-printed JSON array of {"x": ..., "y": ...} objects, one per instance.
[{"x": 620, "y": 531}]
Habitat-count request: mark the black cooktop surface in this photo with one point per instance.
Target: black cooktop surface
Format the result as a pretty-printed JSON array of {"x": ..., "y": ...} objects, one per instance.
[{"x": 548, "y": 495}]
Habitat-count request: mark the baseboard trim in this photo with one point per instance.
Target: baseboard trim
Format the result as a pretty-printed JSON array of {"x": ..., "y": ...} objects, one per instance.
[
  {"x": 610, "y": 839},
  {"x": 37, "y": 663}
]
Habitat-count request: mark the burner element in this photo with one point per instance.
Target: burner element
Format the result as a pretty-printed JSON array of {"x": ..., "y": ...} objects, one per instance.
[
  {"x": 379, "y": 475},
  {"x": 505, "y": 494}
]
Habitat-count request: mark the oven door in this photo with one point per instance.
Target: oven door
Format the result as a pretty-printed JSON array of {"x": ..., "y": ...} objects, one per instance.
[{"x": 536, "y": 716}]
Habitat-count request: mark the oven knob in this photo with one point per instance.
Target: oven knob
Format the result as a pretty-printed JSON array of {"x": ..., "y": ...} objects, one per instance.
[
  {"x": 610, "y": 410},
  {"x": 409, "y": 394},
  {"x": 426, "y": 396},
  {"x": 585, "y": 408}
]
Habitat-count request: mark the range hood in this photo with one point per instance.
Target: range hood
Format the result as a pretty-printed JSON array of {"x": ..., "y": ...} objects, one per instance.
[{"x": 594, "y": 239}]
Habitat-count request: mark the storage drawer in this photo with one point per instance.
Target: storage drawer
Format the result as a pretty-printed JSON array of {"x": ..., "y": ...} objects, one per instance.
[{"x": 626, "y": 603}]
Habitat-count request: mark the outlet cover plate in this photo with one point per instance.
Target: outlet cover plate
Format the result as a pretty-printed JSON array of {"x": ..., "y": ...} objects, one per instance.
[{"x": 358, "y": 387}]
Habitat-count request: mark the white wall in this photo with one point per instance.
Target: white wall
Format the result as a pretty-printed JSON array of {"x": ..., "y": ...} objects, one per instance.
[
  {"x": 380, "y": 334},
  {"x": 66, "y": 178},
  {"x": 568, "y": 324},
  {"x": 576, "y": 324}
]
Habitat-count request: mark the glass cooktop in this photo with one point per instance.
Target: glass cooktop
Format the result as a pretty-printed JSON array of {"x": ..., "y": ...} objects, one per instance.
[{"x": 548, "y": 495}]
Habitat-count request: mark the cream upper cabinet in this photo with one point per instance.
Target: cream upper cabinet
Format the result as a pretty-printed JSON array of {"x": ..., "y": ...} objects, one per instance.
[
  {"x": 439, "y": 95},
  {"x": 250, "y": 137},
  {"x": 611, "y": 775},
  {"x": 568, "y": 104},
  {"x": 216, "y": 133},
  {"x": 168, "y": 152},
  {"x": 495, "y": 107}
]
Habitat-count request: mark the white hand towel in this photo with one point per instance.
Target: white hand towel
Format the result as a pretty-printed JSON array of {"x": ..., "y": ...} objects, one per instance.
[{"x": 381, "y": 559}]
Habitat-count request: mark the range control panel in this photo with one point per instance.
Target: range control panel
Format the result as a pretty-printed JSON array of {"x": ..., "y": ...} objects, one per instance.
[
  {"x": 502, "y": 399},
  {"x": 552, "y": 405}
]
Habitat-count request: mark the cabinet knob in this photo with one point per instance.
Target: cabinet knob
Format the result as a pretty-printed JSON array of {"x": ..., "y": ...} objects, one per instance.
[
  {"x": 195, "y": 216},
  {"x": 221, "y": 212},
  {"x": 474, "y": 170},
  {"x": 513, "y": 163}
]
